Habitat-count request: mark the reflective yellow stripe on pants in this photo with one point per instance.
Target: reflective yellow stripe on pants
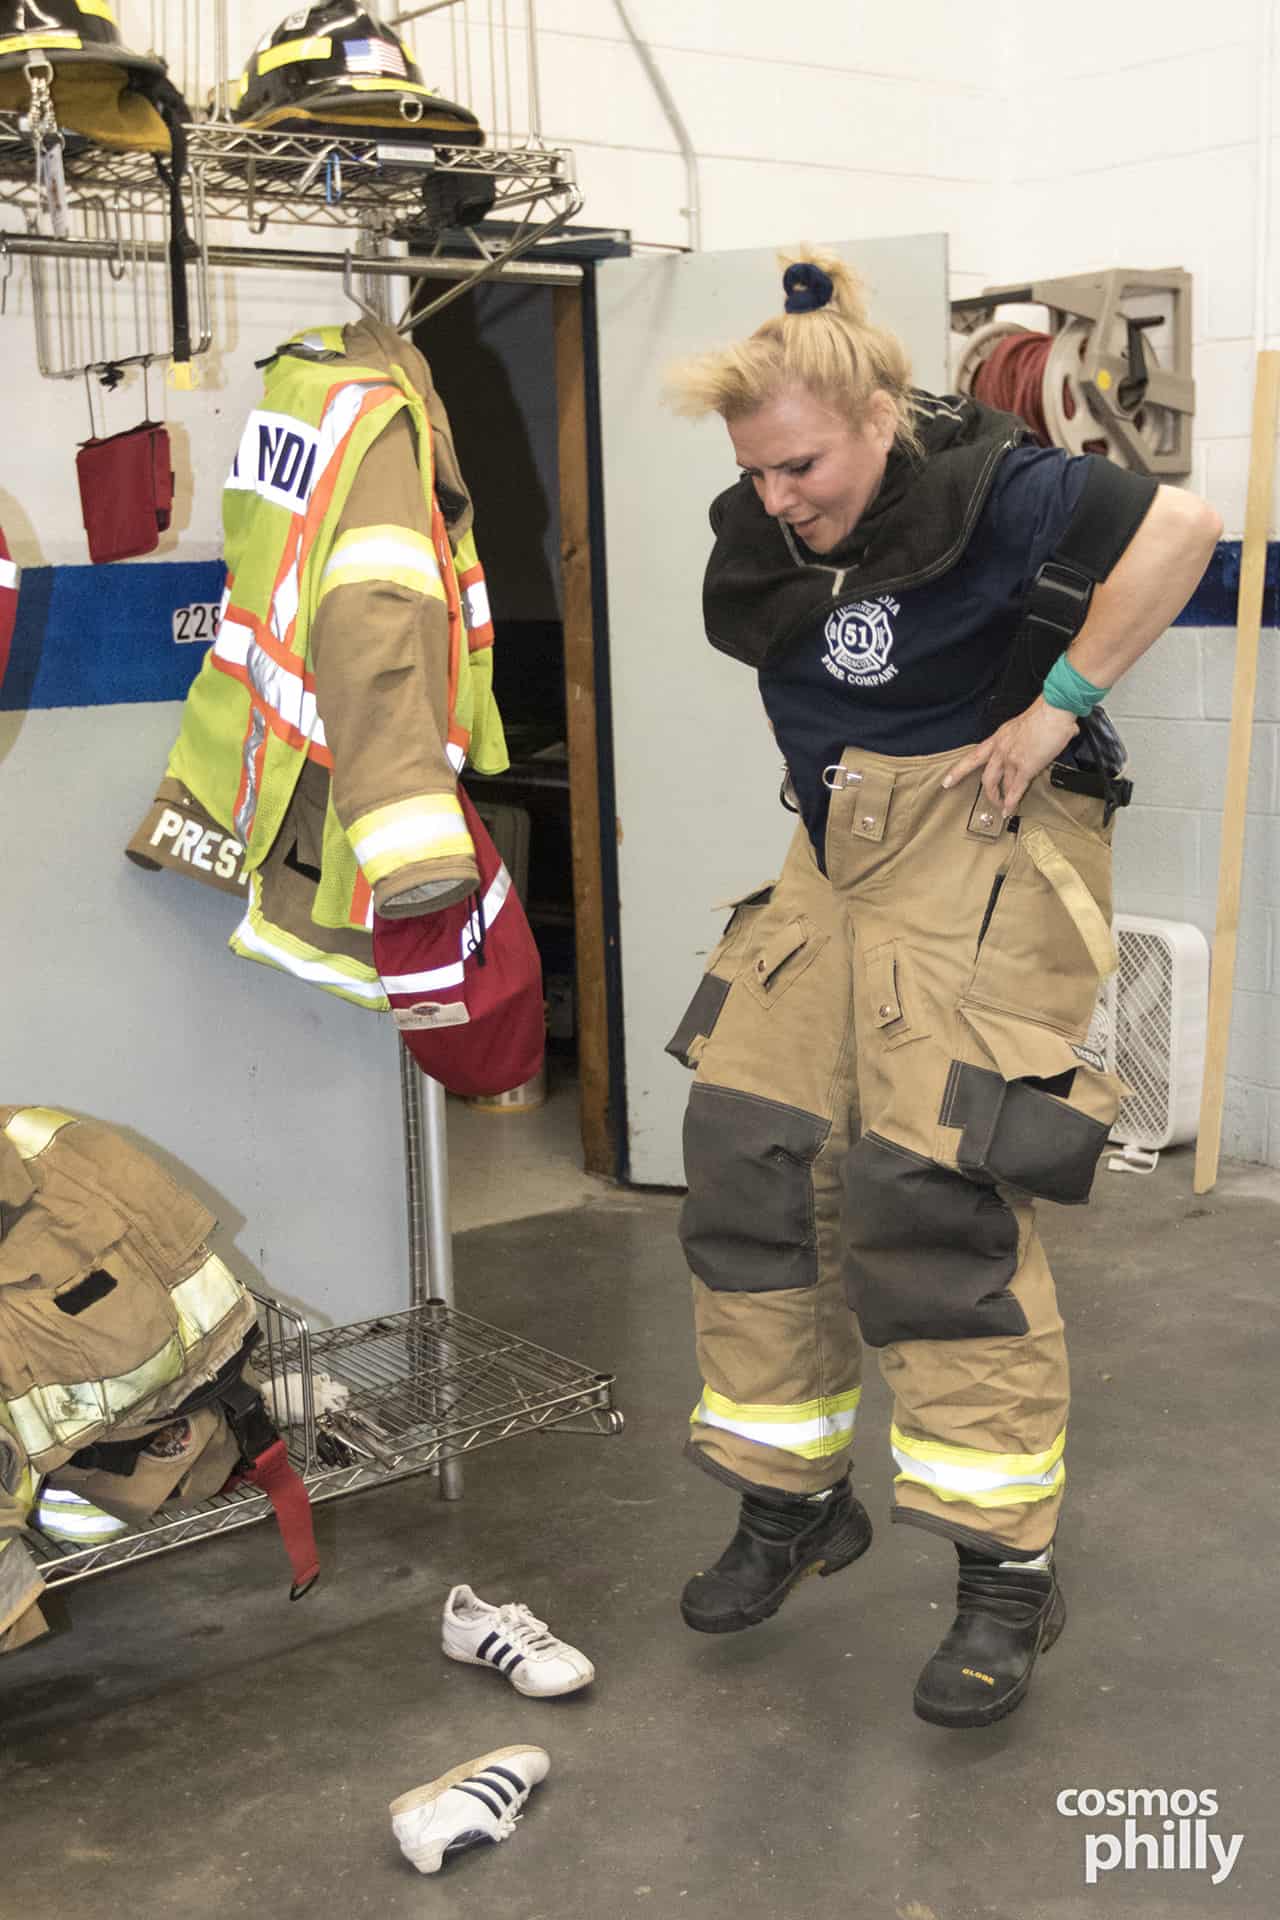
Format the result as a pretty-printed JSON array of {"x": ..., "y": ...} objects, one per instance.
[
  {"x": 981, "y": 1479},
  {"x": 812, "y": 1429}
]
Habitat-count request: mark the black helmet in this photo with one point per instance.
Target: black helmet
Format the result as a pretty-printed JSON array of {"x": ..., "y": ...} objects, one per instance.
[
  {"x": 335, "y": 68},
  {"x": 100, "y": 87}
]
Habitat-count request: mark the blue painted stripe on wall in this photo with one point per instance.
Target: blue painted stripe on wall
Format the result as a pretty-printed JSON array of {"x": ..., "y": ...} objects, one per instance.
[
  {"x": 1213, "y": 604},
  {"x": 103, "y": 636}
]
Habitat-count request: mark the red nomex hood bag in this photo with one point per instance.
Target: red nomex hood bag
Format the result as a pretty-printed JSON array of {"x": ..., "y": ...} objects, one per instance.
[{"x": 465, "y": 983}]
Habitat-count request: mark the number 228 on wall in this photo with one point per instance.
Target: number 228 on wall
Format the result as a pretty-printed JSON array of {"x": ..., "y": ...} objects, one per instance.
[{"x": 199, "y": 622}]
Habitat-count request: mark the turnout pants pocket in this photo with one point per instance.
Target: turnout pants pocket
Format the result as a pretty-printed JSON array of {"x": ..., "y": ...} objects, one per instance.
[
  {"x": 1037, "y": 1118},
  {"x": 725, "y": 962},
  {"x": 1047, "y": 942}
]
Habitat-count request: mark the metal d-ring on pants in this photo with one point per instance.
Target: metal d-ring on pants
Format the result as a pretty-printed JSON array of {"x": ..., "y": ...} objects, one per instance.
[{"x": 891, "y": 1064}]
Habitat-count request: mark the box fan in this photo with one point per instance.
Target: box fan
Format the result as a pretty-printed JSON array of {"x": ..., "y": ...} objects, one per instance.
[{"x": 1149, "y": 1026}]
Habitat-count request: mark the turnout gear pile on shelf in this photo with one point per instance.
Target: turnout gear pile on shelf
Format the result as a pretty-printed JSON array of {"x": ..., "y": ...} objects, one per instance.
[
  {"x": 351, "y": 678},
  {"x": 122, "y": 1347},
  {"x": 338, "y": 69}
]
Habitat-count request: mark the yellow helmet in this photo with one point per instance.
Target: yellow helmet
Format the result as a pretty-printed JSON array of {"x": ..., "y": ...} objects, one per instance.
[{"x": 100, "y": 87}]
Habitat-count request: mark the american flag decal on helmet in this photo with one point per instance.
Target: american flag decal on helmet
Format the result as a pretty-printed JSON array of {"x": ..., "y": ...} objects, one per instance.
[{"x": 376, "y": 56}]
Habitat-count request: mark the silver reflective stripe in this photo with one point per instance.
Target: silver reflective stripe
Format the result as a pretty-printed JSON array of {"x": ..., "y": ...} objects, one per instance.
[
  {"x": 68, "y": 1516},
  {"x": 204, "y": 1299},
  {"x": 412, "y": 830},
  {"x": 384, "y": 552},
  {"x": 793, "y": 1436},
  {"x": 253, "y": 740},
  {"x": 257, "y": 942},
  {"x": 55, "y": 1416},
  {"x": 452, "y": 974},
  {"x": 475, "y": 605},
  {"x": 965, "y": 1480}
]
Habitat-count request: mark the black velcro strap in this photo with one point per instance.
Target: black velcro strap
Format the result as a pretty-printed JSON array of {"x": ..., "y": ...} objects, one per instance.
[
  {"x": 1112, "y": 507},
  {"x": 95, "y": 1286}
]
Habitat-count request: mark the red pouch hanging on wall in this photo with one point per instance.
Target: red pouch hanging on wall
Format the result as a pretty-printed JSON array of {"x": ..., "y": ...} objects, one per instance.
[
  {"x": 8, "y": 603},
  {"x": 126, "y": 491},
  {"x": 465, "y": 984}
]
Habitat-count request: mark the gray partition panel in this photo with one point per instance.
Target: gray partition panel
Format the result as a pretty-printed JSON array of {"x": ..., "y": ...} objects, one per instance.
[
  {"x": 278, "y": 1104},
  {"x": 697, "y": 771}
]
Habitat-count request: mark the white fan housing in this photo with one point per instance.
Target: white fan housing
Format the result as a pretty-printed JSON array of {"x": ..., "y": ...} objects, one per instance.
[{"x": 1150, "y": 1027}]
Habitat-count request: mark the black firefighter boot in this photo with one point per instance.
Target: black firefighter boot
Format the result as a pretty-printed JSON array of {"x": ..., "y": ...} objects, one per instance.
[
  {"x": 781, "y": 1537},
  {"x": 1007, "y": 1613}
]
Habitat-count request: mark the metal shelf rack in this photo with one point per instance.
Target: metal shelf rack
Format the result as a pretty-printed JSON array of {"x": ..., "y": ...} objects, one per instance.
[
  {"x": 427, "y": 1386},
  {"x": 308, "y": 179}
]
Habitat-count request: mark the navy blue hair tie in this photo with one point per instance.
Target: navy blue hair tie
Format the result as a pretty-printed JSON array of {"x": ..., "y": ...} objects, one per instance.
[{"x": 807, "y": 287}]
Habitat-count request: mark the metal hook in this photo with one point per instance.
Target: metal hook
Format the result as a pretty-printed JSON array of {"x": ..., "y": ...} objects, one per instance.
[
  {"x": 348, "y": 265},
  {"x": 7, "y": 257},
  {"x": 118, "y": 268}
]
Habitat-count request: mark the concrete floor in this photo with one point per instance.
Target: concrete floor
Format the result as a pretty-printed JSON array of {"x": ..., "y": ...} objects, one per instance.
[{"x": 198, "y": 1747}]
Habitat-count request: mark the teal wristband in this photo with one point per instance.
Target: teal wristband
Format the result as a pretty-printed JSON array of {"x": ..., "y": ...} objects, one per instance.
[{"x": 1064, "y": 687}]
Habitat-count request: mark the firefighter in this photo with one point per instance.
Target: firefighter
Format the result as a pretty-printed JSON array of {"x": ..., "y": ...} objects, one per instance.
[{"x": 891, "y": 1044}]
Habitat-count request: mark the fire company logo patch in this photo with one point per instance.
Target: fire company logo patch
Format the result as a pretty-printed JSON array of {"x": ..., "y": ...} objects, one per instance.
[
  {"x": 1160, "y": 1831},
  {"x": 859, "y": 641}
]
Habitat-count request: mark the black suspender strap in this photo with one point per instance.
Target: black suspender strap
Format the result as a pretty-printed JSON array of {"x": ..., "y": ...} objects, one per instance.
[{"x": 1110, "y": 510}]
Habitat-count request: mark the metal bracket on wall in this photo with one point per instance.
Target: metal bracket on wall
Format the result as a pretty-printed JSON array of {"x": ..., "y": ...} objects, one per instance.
[{"x": 1117, "y": 380}]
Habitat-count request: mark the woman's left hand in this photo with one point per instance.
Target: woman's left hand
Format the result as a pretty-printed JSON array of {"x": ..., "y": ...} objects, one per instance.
[{"x": 1012, "y": 757}]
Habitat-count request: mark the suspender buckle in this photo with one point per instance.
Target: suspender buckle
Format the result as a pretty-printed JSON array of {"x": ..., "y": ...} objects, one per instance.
[{"x": 1060, "y": 599}]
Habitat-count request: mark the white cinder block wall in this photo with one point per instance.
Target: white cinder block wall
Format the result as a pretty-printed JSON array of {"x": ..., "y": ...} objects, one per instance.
[
  {"x": 1147, "y": 132},
  {"x": 1138, "y": 131}
]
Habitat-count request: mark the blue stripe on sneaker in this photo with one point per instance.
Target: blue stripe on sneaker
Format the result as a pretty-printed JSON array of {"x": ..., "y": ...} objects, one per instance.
[
  {"x": 495, "y": 1786},
  {"x": 507, "y": 1774},
  {"x": 480, "y": 1790},
  {"x": 499, "y": 1653},
  {"x": 482, "y": 1651},
  {"x": 513, "y": 1663}
]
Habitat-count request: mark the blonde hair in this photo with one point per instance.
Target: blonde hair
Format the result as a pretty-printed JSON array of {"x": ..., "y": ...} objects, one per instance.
[{"x": 833, "y": 351}]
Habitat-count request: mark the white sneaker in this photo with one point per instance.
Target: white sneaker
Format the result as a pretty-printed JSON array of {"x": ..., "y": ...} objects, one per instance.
[
  {"x": 473, "y": 1805},
  {"x": 512, "y": 1640}
]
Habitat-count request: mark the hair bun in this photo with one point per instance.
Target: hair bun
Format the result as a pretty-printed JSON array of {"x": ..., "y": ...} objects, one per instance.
[{"x": 807, "y": 287}]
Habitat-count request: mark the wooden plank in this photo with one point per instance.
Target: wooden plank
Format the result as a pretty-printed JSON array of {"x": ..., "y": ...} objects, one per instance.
[
  {"x": 1253, "y": 566},
  {"x": 581, "y": 722}
]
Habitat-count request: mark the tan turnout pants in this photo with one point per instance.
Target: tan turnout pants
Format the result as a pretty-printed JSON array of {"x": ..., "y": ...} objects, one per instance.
[{"x": 891, "y": 1064}]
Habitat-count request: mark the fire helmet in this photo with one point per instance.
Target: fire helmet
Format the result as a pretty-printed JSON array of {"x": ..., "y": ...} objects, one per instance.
[
  {"x": 335, "y": 68},
  {"x": 100, "y": 87}
]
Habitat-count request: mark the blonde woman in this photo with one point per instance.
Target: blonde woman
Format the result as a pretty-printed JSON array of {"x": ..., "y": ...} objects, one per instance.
[{"x": 892, "y": 1042}]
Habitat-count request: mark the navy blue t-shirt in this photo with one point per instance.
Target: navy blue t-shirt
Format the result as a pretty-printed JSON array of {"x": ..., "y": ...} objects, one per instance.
[{"x": 911, "y": 673}]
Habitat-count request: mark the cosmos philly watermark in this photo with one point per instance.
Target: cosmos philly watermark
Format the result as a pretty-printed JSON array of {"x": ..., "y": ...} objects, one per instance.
[{"x": 1164, "y": 1831}]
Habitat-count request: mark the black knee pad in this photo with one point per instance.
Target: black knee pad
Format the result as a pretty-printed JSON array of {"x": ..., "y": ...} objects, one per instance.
[
  {"x": 931, "y": 1253},
  {"x": 747, "y": 1225}
]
